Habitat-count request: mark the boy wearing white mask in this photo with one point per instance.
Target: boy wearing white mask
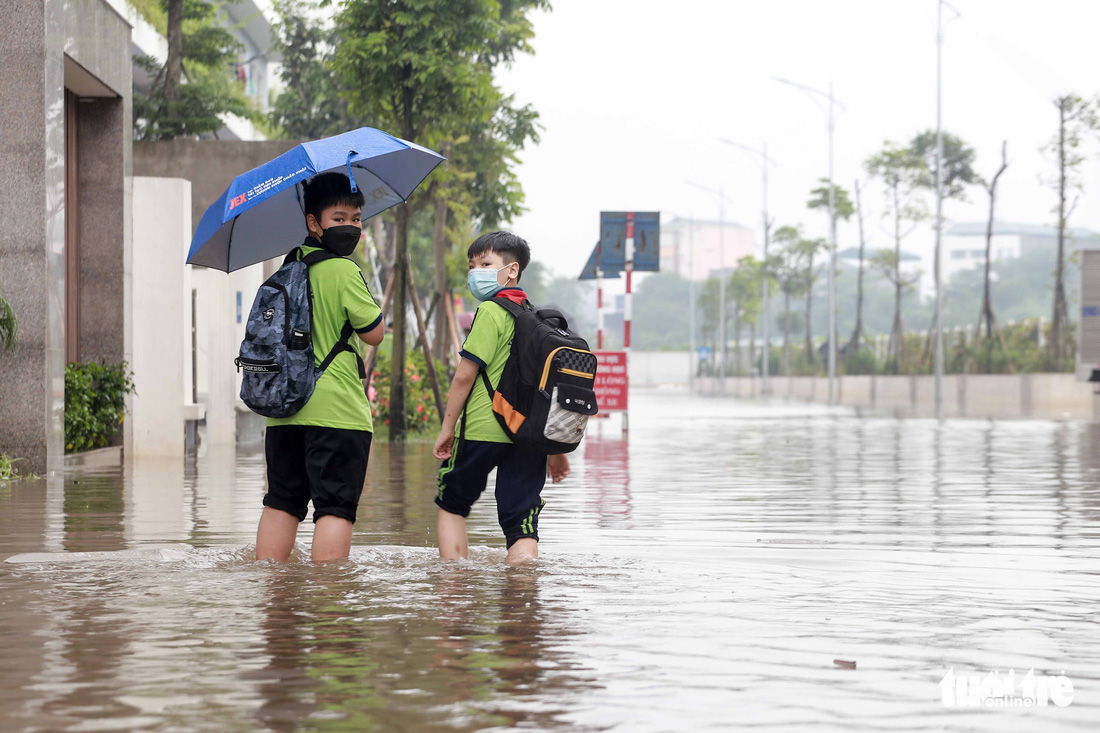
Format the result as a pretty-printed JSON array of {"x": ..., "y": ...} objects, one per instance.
[{"x": 496, "y": 261}]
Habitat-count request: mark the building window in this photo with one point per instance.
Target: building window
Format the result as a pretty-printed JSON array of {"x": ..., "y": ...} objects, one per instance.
[
  {"x": 977, "y": 253},
  {"x": 958, "y": 254}
]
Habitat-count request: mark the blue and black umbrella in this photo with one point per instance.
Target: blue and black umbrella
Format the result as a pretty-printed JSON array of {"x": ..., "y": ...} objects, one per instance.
[{"x": 262, "y": 214}]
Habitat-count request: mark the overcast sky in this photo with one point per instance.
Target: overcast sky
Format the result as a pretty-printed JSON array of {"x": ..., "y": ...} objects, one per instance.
[{"x": 634, "y": 96}]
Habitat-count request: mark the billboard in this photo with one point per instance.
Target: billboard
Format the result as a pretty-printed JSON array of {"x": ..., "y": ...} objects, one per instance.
[
  {"x": 647, "y": 240},
  {"x": 589, "y": 271}
]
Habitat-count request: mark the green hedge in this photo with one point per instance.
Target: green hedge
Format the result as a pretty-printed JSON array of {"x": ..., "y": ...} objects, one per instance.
[{"x": 95, "y": 404}]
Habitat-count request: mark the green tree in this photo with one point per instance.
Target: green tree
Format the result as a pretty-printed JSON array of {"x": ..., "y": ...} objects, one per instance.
[
  {"x": 842, "y": 203},
  {"x": 203, "y": 51},
  {"x": 310, "y": 105},
  {"x": 419, "y": 67},
  {"x": 788, "y": 271},
  {"x": 842, "y": 210},
  {"x": 986, "y": 316},
  {"x": 958, "y": 173},
  {"x": 745, "y": 288},
  {"x": 901, "y": 172},
  {"x": 1076, "y": 118},
  {"x": 856, "y": 339}
]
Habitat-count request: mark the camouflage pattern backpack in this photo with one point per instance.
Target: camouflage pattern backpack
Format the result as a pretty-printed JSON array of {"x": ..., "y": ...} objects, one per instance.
[{"x": 277, "y": 352}]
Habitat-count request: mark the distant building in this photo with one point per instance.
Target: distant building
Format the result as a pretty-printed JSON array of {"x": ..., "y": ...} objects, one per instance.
[
  {"x": 964, "y": 243},
  {"x": 910, "y": 263},
  {"x": 691, "y": 247}
]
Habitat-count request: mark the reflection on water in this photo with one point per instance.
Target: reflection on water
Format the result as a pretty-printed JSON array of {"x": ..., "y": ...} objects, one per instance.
[{"x": 701, "y": 575}]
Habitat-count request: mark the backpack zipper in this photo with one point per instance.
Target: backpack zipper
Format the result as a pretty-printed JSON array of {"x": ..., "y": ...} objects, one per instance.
[{"x": 550, "y": 358}]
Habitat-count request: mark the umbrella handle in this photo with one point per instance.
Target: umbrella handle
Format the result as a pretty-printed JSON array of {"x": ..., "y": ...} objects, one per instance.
[{"x": 351, "y": 178}]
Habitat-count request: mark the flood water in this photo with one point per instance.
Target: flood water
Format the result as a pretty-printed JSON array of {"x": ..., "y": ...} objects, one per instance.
[{"x": 702, "y": 575}]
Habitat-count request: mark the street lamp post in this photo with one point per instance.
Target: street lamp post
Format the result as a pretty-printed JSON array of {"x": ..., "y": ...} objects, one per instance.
[
  {"x": 721, "y": 280},
  {"x": 766, "y": 296},
  {"x": 691, "y": 302},
  {"x": 939, "y": 212},
  {"x": 832, "y": 102}
]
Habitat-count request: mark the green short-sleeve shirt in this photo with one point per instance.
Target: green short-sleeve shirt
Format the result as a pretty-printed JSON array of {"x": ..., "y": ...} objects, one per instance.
[
  {"x": 488, "y": 345},
  {"x": 340, "y": 295}
]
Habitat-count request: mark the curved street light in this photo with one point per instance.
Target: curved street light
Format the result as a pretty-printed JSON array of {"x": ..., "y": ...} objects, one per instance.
[
  {"x": 832, "y": 102},
  {"x": 765, "y": 162}
]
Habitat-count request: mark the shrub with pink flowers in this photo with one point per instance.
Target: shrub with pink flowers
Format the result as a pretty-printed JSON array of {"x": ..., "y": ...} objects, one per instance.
[{"x": 420, "y": 411}]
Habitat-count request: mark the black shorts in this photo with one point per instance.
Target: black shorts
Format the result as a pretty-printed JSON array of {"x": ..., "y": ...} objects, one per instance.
[
  {"x": 325, "y": 465},
  {"x": 520, "y": 477}
]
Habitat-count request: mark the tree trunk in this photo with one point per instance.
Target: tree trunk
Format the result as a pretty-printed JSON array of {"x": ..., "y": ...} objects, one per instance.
[
  {"x": 738, "y": 364},
  {"x": 986, "y": 316},
  {"x": 898, "y": 335},
  {"x": 439, "y": 248},
  {"x": 857, "y": 332},
  {"x": 1057, "y": 325},
  {"x": 398, "y": 428},
  {"x": 174, "y": 63},
  {"x": 787, "y": 332},
  {"x": 809, "y": 309},
  {"x": 752, "y": 347}
]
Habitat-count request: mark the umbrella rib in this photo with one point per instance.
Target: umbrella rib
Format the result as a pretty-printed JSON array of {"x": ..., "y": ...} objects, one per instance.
[
  {"x": 229, "y": 243},
  {"x": 368, "y": 170}
]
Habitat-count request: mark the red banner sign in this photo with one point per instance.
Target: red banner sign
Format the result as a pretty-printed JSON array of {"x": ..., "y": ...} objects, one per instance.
[{"x": 612, "y": 382}]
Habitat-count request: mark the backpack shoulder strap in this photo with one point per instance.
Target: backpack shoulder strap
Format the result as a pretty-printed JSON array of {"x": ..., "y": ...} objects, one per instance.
[
  {"x": 291, "y": 256},
  {"x": 320, "y": 255},
  {"x": 512, "y": 306},
  {"x": 342, "y": 345}
]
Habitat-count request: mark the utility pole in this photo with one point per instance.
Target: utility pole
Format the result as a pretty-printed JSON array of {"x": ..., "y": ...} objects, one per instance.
[
  {"x": 832, "y": 260},
  {"x": 832, "y": 102},
  {"x": 766, "y": 288},
  {"x": 691, "y": 302},
  {"x": 721, "y": 280},
  {"x": 939, "y": 210}
]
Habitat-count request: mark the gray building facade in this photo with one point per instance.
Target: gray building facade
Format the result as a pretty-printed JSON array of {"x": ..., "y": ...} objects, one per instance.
[{"x": 65, "y": 220}]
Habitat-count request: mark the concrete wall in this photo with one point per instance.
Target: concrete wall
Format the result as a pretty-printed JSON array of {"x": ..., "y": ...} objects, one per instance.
[
  {"x": 45, "y": 46},
  {"x": 210, "y": 165},
  {"x": 161, "y": 316},
  {"x": 653, "y": 368},
  {"x": 1045, "y": 396}
]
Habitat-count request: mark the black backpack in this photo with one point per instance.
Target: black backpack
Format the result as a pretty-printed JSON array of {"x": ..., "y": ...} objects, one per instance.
[{"x": 545, "y": 395}]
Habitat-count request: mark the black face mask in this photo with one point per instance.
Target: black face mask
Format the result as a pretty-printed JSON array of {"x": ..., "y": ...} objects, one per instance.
[{"x": 341, "y": 240}]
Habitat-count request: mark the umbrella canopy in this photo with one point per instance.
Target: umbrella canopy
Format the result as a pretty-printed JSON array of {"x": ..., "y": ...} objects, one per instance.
[{"x": 262, "y": 213}]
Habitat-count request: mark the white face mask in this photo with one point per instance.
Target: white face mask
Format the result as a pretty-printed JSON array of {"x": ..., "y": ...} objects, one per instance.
[{"x": 482, "y": 282}]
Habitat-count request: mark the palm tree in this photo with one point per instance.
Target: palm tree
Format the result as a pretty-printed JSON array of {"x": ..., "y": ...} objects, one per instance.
[{"x": 787, "y": 270}]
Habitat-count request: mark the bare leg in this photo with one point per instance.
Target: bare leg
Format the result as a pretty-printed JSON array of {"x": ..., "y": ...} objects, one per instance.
[
  {"x": 331, "y": 538},
  {"x": 275, "y": 536},
  {"x": 522, "y": 550},
  {"x": 450, "y": 533}
]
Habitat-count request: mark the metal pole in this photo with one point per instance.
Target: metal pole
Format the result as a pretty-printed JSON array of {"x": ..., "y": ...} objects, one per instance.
[
  {"x": 691, "y": 302},
  {"x": 722, "y": 289},
  {"x": 599, "y": 301},
  {"x": 766, "y": 326},
  {"x": 832, "y": 261},
  {"x": 939, "y": 210},
  {"x": 832, "y": 230},
  {"x": 626, "y": 300}
]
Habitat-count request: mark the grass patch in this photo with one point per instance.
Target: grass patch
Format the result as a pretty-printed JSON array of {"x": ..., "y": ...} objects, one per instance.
[{"x": 9, "y": 471}]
